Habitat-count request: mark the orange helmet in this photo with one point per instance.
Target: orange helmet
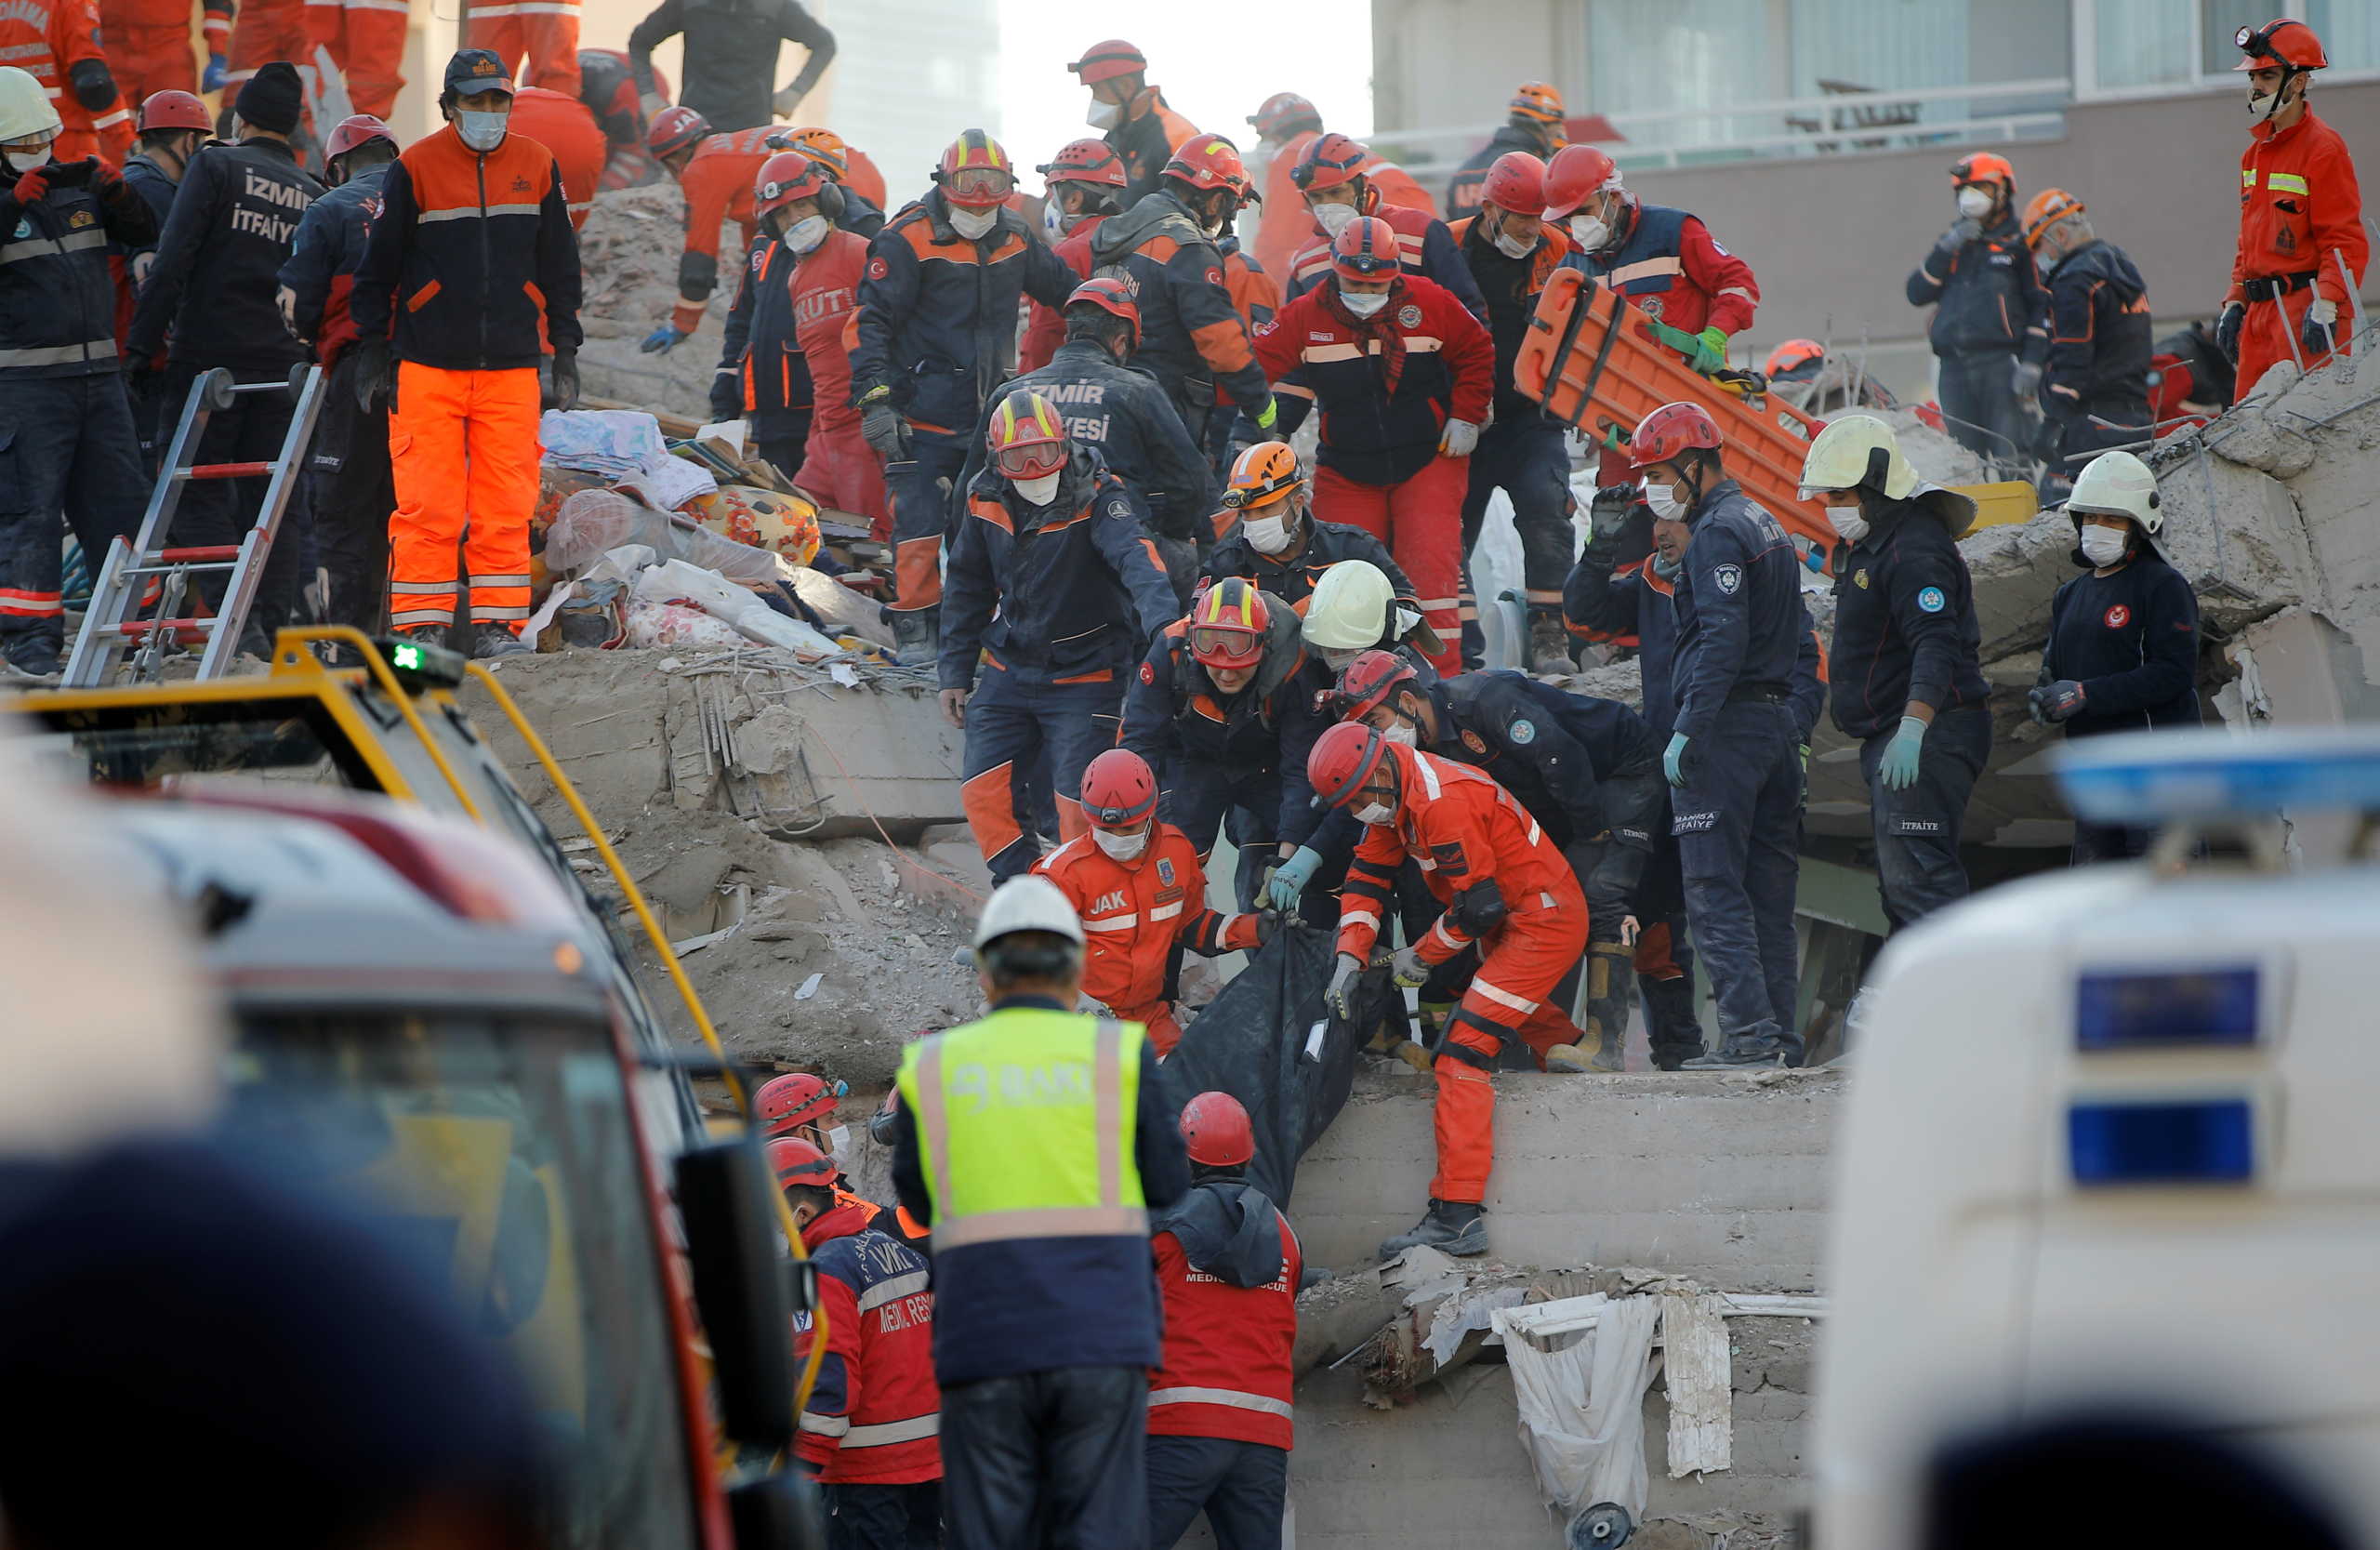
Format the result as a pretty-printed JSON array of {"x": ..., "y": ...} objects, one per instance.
[
  {"x": 1365, "y": 249},
  {"x": 1791, "y": 353},
  {"x": 1538, "y": 100},
  {"x": 1229, "y": 622},
  {"x": 2045, "y": 210},
  {"x": 1284, "y": 113},
  {"x": 975, "y": 173},
  {"x": 2291, "y": 45},
  {"x": 1108, "y": 60},
  {"x": 784, "y": 178},
  {"x": 1118, "y": 790},
  {"x": 1027, "y": 438},
  {"x": 823, "y": 146},
  {"x": 1328, "y": 161},
  {"x": 1577, "y": 173},
  {"x": 1983, "y": 167},
  {"x": 180, "y": 110},
  {"x": 1085, "y": 161},
  {"x": 1261, "y": 473},
  {"x": 1208, "y": 161}
]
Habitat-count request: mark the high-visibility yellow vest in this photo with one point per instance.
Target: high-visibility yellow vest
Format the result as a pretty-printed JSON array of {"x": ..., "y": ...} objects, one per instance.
[{"x": 1025, "y": 1125}]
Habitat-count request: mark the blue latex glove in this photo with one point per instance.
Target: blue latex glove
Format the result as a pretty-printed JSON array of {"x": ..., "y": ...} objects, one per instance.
[
  {"x": 1674, "y": 762},
  {"x": 1289, "y": 878},
  {"x": 664, "y": 340},
  {"x": 1711, "y": 350},
  {"x": 1814, "y": 559},
  {"x": 1900, "y": 766},
  {"x": 219, "y": 70}
]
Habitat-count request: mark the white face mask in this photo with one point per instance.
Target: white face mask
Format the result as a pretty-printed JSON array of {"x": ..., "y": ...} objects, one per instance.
[
  {"x": 1403, "y": 734},
  {"x": 1122, "y": 847},
  {"x": 1659, "y": 496},
  {"x": 806, "y": 234},
  {"x": 2103, "y": 545},
  {"x": 1589, "y": 232},
  {"x": 839, "y": 1140},
  {"x": 1975, "y": 203},
  {"x": 1041, "y": 491},
  {"x": 1104, "y": 116},
  {"x": 480, "y": 131},
  {"x": 1374, "y": 813},
  {"x": 1266, "y": 535},
  {"x": 972, "y": 224},
  {"x": 1362, "y": 303},
  {"x": 1849, "y": 525},
  {"x": 2260, "y": 107},
  {"x": 1333, "y": 218}
]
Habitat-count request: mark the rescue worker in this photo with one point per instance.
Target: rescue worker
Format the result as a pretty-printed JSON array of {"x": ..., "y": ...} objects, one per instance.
[
  {"x": 1334, "y": 176},
  {"x": 147, "y": 46},
  {"x": 1084, "y": 184},
  {"x": 1228, "y": 1268},
  {"x": 862, "y": 184},
  {"x": 61, "y": 396},
  {"x": 367, "y": 40},
  {"x": 716, "y": 171},
  {"x": 1733, "y": 753},
  {"x": 609, "y": 89},
  {"x": 2193, "y": 375},
  {"x": 1112, "y": 405},
  {"x": 262, "y": 30},
  {"x": 536, "y": 41},
  {"x": 1131, "y": 115},
  {"x": 566, "y": 127},
  {"x": 2301, "y": 214},
  {"x": 1664, "y": 261},
  {"x": 1587, "y": 769},
  {"x": 1223, "y": 711},
  {"x": 1286, "y": 125},
  {"x": 1049, "y": 540},
  {"x": 355, "y": 491},
  {"x": 869, "y": 1431},
  {"x": 936, "y": 334},
  {"x": 1533, "y": 127},
  {"x": 173, "y": 125},
  {"x": 1358, "y": 608},
  {"x": 1987, "y": 301},
  {"x": 1255, "y": 296},
  {"x": 797, "y": 1106},
  {"x": 485, "y": 278},
  {"x": 2122, "y": 653},
  {"x": 2093, "y": 381},
  {"x": 1275, "y": 540},
  {"x": 1906, "y": 680},
  {"x": 57, "y": 42},
  {"x": 1524, "y": 451},
  {"x": 1404, "y": 377},
  {"x": 731, "y": 57},
  {"x": 210, "y": 302},
  {"x": 1141, "y": 890},
  {"x": 1507, "y": 894},
  {"x": 1044, "y": 1376},
  {"x": 1193, "y": 338}
]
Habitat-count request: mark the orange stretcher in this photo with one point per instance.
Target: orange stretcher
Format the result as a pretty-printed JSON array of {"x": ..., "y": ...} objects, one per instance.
[{"x": 1600, "y": 365}]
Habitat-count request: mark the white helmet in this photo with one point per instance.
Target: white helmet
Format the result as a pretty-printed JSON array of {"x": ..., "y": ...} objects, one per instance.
[
  {"x": 2118, "y": 485},
  {"x": 1028, "y": 903},
  {"x": 1349, "y": 609},
  {"x": 1846, "y": 456},
  {"x": 25, "y": 109}
]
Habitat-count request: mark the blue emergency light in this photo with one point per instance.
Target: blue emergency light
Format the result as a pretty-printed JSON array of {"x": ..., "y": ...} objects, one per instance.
[
  {"x": 2161, "y": 1141},
  {"x": 2166, "y": 1008},
  {"x": 2149, "y": 778}
]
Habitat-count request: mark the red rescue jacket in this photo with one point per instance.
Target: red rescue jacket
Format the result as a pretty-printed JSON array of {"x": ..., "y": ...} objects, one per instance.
[
  {"x": 2298, "y": 200},
  {"x": 1228, "y": 1266},
  {"x": 874, "y": 1415}
]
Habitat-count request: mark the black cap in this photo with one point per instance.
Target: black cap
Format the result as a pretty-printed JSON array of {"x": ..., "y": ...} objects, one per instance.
[
  {"x": 272, "y": 99},
  {"x": 476, "y": 69}
]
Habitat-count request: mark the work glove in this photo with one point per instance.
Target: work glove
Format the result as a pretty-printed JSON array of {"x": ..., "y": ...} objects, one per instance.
[
  {"x": 664, "y": 340},
  {"x": 2050, "y": 703},
  {"x": 884, "y": 428},
  {"x": 218, "y": 72},
  {"x": 1900, "y": 766},
  {"x": 1609, "y": 509},
  {"x": 1963, "y": 231},
  {"x": 2318, "y": 333},
  {"x": 1806, "y": 761},
  {"x": 142, "y": 262},
  {"x": 726, "y": 394},
  {"x": 109, "y": 190},
  {"x": 1673, "y": 760},
  {"x": 2026, "y": 380},
  {"x": 2227, "y": 329},
  {"x": 33, "y": 187},
  {"x": 1268, "y": 925},
  {"x": 376, "y": 375},
  {"x": 1709, "y": 350},
  {"x": 565, "y": 387},
  {"x": 1340, "y": 995},
  {"x": 1460, "y": 438},
  {"x": 1288, "y": 879},
  {"x": 1813, "y": 555},
  {"x": 1407, "y": 968},
  {"x": 1269, "y": 416}
]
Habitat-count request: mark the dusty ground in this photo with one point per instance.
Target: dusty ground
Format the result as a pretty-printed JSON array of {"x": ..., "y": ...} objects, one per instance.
[{"x": 630, "y": 248}]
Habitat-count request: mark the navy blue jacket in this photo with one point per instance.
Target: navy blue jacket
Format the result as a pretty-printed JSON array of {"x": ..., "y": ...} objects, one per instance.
[
  {"x": 322, "y": 261},
  {"x": 220, "y": 258},
  {"x": 1077, "y": 587},
  {"x": 147, "y": 180},
  {"x": 1905, "y": 625},
  {"x": 761, "y": 345},
  {"x": 1739, "y": 611},
  {"x": 1292, "y": 578},
  {"x": 1462, "y": 189},
  {"x": 2131, "y": 640},
  {"x": 1121, "y": 411},
  {"x": 2099, "y": 342},
  {"x": 1034, "y": 1305},
  {"x": 57, "y": 298},
  {"x": 1987, "y": 297},
  {"x": 1177, "y": 720},
  {"x": 1641, "y": 601},
  {"x": 1193, "y": 338},
  {"x": 1549, "y": 748}
]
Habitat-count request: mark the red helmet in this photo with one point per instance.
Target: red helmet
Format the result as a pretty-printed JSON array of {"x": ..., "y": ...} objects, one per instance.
[
  {"x": 1983, "y": 167},
  {"x": 1215, "y": 1129},
  {"x": 1228, "y": 624},
  {"x": 1206, "y": 163},
  {"x": 1343, "y": 758},
  {"x": 180, "y": 110},
  {"x": 673, "y": 129},
  {"x": 350, "y": 133},
  {"x": 799, "y": 1162},
  {"x": 2289, "y": 44},
  {"x": 975, "y": 172},
  {"x": 1577, "y": 173},
  {"x": 1025, "y": 437},
  {"x": 1791, "y": 353},
  {"x": 1118, "y": 789},
  {"x": 1105, "y": 62},
  {"x": 1537, "y": 100},
  {"x": 1365, "y": 249},
  {"x": 1284, "y": 113},
  {"x": 1671, "y": 431},
  {"x": 1328, "y": 161},
  {"x": 785, "y": 177},
  {"x": 1085, "y": 161},
  {"x": 1369, "y": 682},
  {"x": 785, "y": 1103},
  {"x": 1516, "y": 183},
  {"x": 1109, "y": 295}
]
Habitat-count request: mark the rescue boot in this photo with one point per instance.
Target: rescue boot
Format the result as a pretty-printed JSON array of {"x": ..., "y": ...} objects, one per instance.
[
  {"x": 1457, "y": 1227},
  {"x": 1549, "y": 643},
  {"x": 919, "y": 634},
  {"x": 1767, "y": 1049},
  {"x": 1675, "y": 1035},
  {"x": 490, "y": 639},
  {"x": 34, "y": 656}
]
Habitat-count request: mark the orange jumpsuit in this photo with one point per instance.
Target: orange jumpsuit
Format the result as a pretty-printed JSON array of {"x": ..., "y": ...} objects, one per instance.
[
  {"x": 861, "y": 176},
  {"x": 367, "y": 42},
  {"x": 148, "y": 45},
  {"x": 1286, "y": 225},
  {"x": 565, "y": 126},
  {"x": 263, "y": 31},
  {"x": 1475, "y": 843},
  {"x": 57, "y": 42},
  {"x": 544, "y": 32},
  {"x": 2298, "y": 206},
  {"x": 718, "y": 185},
  {"x": 1137, "y": 916}
]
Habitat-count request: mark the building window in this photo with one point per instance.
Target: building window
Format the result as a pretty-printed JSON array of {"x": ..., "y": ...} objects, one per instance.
[{"x": 2146, "y": 45}]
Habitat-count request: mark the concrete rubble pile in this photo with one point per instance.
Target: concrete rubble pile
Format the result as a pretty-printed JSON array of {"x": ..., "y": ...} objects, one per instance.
[{"x": 630, "y": 249}]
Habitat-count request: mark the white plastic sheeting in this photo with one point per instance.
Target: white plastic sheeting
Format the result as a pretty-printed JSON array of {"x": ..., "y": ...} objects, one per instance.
[{"x": 1582, "y": 1407}]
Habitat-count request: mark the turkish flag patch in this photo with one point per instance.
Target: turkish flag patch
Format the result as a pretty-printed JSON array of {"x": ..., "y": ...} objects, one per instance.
[
  {"x": 878, "y": 269},
  {"x": 1148, "y": 673},
  {"x": 2118, "y": 617}
]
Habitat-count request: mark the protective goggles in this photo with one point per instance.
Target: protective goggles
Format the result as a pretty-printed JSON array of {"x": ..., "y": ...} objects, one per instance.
[
  {"x": 1230, "y": 648},
  {"x": 1033, "y": 460},
  {"x": 982, "y": 182}
]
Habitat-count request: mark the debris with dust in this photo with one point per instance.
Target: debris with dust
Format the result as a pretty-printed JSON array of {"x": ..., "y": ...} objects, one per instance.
[{"x": 629, "y": 250}]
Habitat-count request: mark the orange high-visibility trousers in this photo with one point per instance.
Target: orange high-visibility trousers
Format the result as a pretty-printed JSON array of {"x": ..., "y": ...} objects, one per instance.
[
  {"x": 367, "y": 42},
  {"x": 1525, "y": 959},
  {"x": 544, "y": 31},
  {"x": 263, "y": 31},
  {"x": 463, "y": 446}
]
